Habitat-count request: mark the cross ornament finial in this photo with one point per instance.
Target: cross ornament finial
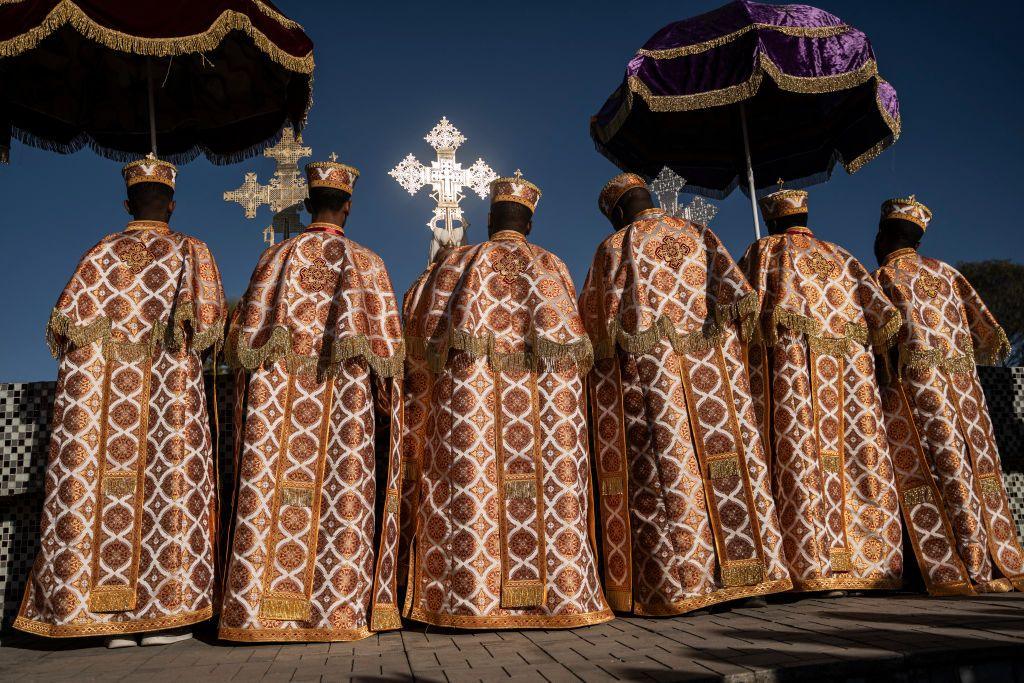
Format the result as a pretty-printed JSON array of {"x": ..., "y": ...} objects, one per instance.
[
  {"x": 666, "y": 187},
  {"x": 447, "y": 179},
  {"x": 332, "y": 156}
]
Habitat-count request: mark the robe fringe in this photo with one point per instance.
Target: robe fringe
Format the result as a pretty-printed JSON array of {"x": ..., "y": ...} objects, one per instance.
[
  {"x": 542, "y": 353},
  {"x": 709, "y": 336},
  {"x": 279, "y": 347},
  {"x": 929, "y": 358},
  {"x": 881, "y": 338}
]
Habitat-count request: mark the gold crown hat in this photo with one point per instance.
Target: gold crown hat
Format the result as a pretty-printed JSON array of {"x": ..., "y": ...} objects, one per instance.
[
  {"x": 783, "y": 203},
  {"x": 515, "y": 189},
  {"x": 332, "y": 174},
  {"x": 149, "y": 169},
  {"x": 907, "y": 209},
  {"x": 615, "y": 188}
]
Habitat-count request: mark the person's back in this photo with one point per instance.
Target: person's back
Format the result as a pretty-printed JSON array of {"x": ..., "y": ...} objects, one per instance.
[
  {"x": 678, "y": 452},
  {"x": 499, "y": 354},
  {"x": 939, "y": 430},
  {"x": 132, "y": 467}
]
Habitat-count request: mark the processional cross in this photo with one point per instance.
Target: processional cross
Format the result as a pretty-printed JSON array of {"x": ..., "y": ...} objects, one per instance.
[
  {"x": 666, "y": 186},
  {"x": 447, "y": 179},
  {"x": 284, "y": 191}
]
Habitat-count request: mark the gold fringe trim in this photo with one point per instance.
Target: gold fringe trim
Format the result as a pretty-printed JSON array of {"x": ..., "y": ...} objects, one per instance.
[
  {"x": 611, "y": 486},
  {"x": 711, "y": 335},
  {"x": 285, "y": 609},
  {"x": 276, "y": 16},
  {"x": 279, "y": 347},
  {"x": 111, "y": 599},
  {"x": 62, "y": 334},
  {"x": 697, "y": 48},
  {"x": 385, "y": 618},
  {"x": 543, "y": 353},
  {"x": 68, "y": 13},
  {"x": 881, "y": 338},
  {"x": 523, "y": 595},
  {"x": 999, "y": 354},
  {"x": 746, "y": 90},
  {"x": 927, "y": 359},
  {"x": 884, "y": 337}
]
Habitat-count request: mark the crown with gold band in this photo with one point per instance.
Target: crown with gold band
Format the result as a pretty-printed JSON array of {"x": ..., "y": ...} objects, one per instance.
[
  {"x": 332, "y": 174},
  {"x": 515, "y": 189},
  {"x": 615, "y": 188},
  {"x": 149, "y": 169},
  {"x": 907, "y": 209},
  {"x": 783, "y": 203}
]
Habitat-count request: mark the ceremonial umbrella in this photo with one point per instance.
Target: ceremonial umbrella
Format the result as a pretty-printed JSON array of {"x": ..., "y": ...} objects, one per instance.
[
  {"x": 221, "y": 77},
  {"x": 749, "y": 89}
]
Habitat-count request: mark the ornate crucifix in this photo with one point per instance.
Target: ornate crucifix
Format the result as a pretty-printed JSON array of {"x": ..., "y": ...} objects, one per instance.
[
  {"x": 666, "y": 187},
  {"x": 284, "y": 191},
  {"x": 447, "y": 179}
]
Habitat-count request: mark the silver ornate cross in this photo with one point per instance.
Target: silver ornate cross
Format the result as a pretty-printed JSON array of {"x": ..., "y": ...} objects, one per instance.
[
  {"x": 666, "y": 187},
  {"x": 447, "y": 179},
  {"x": 284, "y": 191}
]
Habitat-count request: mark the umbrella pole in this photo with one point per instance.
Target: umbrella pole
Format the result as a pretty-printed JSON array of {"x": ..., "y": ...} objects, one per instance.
[
  {"x": 750, "y": 169},
  {"x": 152, "y": 109}
]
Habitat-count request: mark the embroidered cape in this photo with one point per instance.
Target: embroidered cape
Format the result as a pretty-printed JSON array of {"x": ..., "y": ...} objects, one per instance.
[
  {"x": 947, "y": 465},
  {"x": 816, "y": 394},
  {"x": 496, "y": 465},
  {"x": 686, "y": 507},
  {"x": 319, "y": 332},
  {"x": 126, "y": 542}
]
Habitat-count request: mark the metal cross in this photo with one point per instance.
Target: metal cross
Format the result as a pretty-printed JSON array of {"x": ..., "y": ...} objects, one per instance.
[
  {"x": 447, "y": 179},
  {"x": 666, "y": 187},
  {"x": 284, "y": 191}
]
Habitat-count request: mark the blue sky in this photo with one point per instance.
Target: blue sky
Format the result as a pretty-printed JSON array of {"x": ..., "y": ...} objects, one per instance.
[{"x": 521, "y": 81}]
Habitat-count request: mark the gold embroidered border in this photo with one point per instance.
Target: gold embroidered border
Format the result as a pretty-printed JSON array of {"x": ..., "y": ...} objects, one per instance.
[
  {"x": 844, "y": 583},
  {"x": 990, "y": 485},
  {"x": 68, "y": 13},
  {"x": 744, "y": 573},
  {"x": 111, "y": 627},
  {"x": 293, "y": 635},
  {"x": 62, "y": 332},
  {"x": 697, "y": 48},
  {"x": 715, "y": 598},
  {"x": 710, "y": 335},
  {"x": 517, "y": 621},
  {"x": 385, "y": 617},
  {"x": 279, "y": 347},
  {"x": 840, "y": 559},
  {"x": 111, "y": 599},
  {"x": 543, "y": 353}
]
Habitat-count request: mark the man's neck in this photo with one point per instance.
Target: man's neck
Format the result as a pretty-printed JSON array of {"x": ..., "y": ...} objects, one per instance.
[
  {"x": 494, "y": 230},
  {"x": 332, "y": 218}
]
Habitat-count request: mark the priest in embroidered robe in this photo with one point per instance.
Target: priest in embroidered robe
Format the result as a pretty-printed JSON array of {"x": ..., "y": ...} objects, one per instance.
[
  {"x": 318, "y": 331},
  {"x": 498, "y": 453},
  {"x": 127, "y": 533},
  {"x": 947, "y": 466},
  {"x": 686, "y": 508},
  {"x": 816, "y": 393}
]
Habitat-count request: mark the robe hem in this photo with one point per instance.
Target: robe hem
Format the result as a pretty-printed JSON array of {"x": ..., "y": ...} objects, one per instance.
[
  {"x": 46, "y": 630},
  {"x": 512, "y": 621},
  {"x": 844, "y": 583},
  {"x": 304, "y": 635},
  {"x": 719, "y": 596}
]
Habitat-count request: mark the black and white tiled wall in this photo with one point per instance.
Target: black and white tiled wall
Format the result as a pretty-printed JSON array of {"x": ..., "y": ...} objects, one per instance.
[{"x": 25, "y": 410}]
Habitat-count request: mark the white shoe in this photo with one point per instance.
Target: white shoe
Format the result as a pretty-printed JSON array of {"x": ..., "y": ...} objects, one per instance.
[
  {"x": 167, "y": 637},
  {"x": 117, "y": 643}
]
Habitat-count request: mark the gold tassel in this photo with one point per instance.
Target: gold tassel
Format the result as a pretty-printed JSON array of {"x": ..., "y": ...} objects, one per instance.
[
  {"x": 522, "y": 595},
  {"x": 885, "y": 337},
  {"x": 285, "y": 609},
  {"x": 917, "y": 495},
  {"x": 723, "y": 468},
  {"x": 840, "y": 559},
  {"x": 612, "y": 486},
  {"x": 119, "y": 485},
  {"x": 521, "y": 488},
  {"x": 111, "y": 599},
  {"x": 385, "y": 618},
  {"x": 745, "y": 574},
  {"x": 619, "y": 600}
]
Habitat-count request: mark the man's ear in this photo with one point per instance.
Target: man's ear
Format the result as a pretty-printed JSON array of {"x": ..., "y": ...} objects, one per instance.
[
  {"x": 171, "y": 206},
  {"x": 128, "y": 207}
]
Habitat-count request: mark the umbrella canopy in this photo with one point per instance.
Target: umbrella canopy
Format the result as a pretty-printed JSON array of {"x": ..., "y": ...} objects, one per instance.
[
  {"x": 225, "y": 76},
  {"x": 807, "y": 84}
]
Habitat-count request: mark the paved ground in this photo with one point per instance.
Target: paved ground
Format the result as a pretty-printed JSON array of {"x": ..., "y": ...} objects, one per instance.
[{"x": 908, "y": 638}]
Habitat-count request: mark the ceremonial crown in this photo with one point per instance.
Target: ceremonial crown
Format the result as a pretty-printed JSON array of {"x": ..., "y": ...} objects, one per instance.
[
  {"x": 615, "y": 188},
  {"x": 515, "y": 189},
  {"x": 907, "y": 209},
  {"x": 149, "y": 169},
  {"x": 331, "y": 174},
  {"x": 783, "y": 203}
]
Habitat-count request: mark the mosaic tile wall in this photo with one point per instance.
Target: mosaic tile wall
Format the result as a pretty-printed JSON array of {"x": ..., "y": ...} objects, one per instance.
[{"x": 24, "y": 438}]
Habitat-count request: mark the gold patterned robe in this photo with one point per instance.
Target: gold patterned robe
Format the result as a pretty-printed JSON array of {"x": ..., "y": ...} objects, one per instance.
[
  {"x": 686, "y": 508},
  {"x": 313, "y": 553},
  {"x": 127, "y": 533},
  {"x": 816, "y": 393},
  {"x": 498, "y": 443},
  {"x": 940, "y": 435}
]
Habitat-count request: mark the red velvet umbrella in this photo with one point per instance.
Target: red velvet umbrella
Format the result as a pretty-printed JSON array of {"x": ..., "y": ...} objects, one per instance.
[{"x": 221, "y": 77}]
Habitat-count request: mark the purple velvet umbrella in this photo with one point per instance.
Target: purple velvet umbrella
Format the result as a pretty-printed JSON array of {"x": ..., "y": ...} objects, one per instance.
[{"x": 754, "y": 90}]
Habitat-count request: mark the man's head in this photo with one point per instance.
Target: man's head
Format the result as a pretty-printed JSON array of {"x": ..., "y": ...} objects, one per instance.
[
  {"x": 150, "y": 202},
  {"x": 329, "y": 205},
  {"x": 902, "y": 224},
  {"x": 330, "y": 191},
  {"x": 622, "y": 198},
  {"x": 513, "y": 201}
]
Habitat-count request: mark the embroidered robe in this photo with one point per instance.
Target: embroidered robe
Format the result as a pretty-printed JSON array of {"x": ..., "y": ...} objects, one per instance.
[
  {"x": 686, "y": 508},
  {"x": 816, "y": 394},
  {"x": 947, "y": 465},
  {"x": 314, "y": 543},
  {"x": 127, "y": 532},
  {"x": 498, "y": 444}
]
